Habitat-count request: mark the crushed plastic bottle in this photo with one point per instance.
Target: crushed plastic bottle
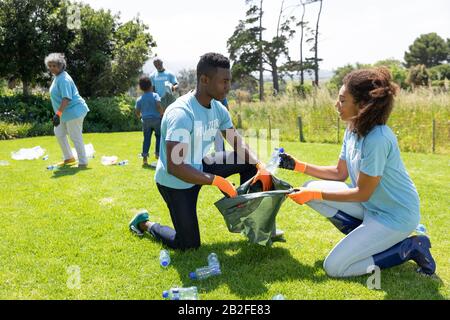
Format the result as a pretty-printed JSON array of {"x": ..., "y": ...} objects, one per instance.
[
  {"x": 205, "y": 273},
  {"x": 278, "y": 297},
  {"x": 190, "y": 293},
  {"x": 274, "y": 161},
  {"x": 122, "y": 163},
  {"x": 109, "y": 160},
  {"x": 213, "y": 260},
  {"x": 164, "y": 258},
  {"x": 421, "y": 230}
]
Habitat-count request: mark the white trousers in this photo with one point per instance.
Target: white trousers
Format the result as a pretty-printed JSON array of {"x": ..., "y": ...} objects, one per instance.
[
  {"x": 353, "y": 255},
  {"x": 73, "y": 128}
]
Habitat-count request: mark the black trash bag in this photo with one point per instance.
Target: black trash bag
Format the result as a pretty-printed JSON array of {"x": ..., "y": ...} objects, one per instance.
[{"x": 253, "y": 212}]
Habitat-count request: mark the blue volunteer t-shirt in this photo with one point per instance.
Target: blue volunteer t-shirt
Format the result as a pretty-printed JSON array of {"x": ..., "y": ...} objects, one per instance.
[
  {"x": 395, "y": 202},
  {"x": 146, "y": 104},
  {"x": 187, "y": 121},
  {"x": 64, "y": 87},
  {"x": 159, "y": 81}
]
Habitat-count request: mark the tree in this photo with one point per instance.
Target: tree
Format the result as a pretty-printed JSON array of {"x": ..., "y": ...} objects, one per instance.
[
  {"x": 429, "y": 50},
  {"x": 418, "y": 76},
  {"x": 26, "y": 37},
  {"x": 103, "y": 56},
  {"x": 246, "y": 45},
  {"x": 187, "y": 80}
]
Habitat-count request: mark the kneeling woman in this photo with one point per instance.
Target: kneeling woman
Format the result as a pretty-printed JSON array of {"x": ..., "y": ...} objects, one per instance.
[{"x": 380, "y": 208}]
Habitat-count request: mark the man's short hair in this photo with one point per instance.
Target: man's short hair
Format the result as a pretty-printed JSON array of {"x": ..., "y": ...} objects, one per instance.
[
  {"x": 145, "y": 83},
  {"x": 209, "y": 63}
]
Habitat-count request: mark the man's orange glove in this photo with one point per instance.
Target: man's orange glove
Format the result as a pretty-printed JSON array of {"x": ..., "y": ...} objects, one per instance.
[
  {"x": 305, "y": 195},
  {"x": 288, "y": 162},
  {"x": 225, "y": 186},
  {"x": 264, "y": 176}
]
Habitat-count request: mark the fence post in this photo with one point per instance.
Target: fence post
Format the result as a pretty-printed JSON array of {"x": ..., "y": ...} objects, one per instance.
[
  {"x": 300, "y": 128},
  {"x": 338, "y": 130},
  {"x": 239, "y": 124},
  {"x": 434, "y": 135}
]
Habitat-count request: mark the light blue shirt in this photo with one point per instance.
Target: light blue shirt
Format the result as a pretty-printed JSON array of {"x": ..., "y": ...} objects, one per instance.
[
  {"x": 187, "y": 121},
  {"x": 146, "y": 104},
  {"x": 64, "y": 87},
  {"x": 159, "y": 81},
  {"x": 395, "y": 202}
]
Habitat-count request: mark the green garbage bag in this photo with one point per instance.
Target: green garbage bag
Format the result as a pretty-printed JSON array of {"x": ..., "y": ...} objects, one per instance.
[
  {"x": 253, "y": 212},
  {"x": 167, "y": 100}
]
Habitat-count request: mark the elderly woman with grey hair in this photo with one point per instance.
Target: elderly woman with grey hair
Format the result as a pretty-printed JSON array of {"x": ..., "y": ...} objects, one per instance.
[{"x": 70, "y": 110}]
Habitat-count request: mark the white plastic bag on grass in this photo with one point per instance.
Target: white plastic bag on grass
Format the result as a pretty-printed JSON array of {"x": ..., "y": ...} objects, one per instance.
[
  {"x": 89, "y": 151},
  {"x": 28, "y": 154}
]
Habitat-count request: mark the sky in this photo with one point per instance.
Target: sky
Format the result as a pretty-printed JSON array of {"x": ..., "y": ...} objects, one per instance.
[{"x": 351, "y": 31}]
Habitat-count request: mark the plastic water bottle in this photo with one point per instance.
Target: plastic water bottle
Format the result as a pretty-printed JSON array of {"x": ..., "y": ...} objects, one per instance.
[
  {"x": 190, "y": 293},
  {"x": 122, "y": 163},
  {"x": 213, "y": 260},
  {"x": 278, "y": 297},
  {"x": 45, "y": 157},
  {"x": 421, "y": 230},
  {"x": 204, "y": 273},
  {"x": 164, "y": 258},
  {"x": 274, "y": 161},
  {"x": 52, "y": 167}
]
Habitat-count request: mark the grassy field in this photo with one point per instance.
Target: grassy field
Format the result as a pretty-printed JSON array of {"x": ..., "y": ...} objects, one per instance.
[{"x": 54, "y": 222}]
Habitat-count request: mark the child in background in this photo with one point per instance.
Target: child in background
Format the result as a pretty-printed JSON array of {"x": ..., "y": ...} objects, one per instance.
[{"x": 148, "y": 108}]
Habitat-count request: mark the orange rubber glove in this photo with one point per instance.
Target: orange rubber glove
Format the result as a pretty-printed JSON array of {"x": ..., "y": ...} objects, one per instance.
[
  {"x": 225, "y": 186},
  {"x": 304, "y": 195},
  {"x": 264, "y": 176},
  {"x": 290, "y": 163}
]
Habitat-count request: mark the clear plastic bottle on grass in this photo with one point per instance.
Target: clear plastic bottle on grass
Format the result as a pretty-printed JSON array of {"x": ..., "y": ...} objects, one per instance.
[
  {"x": 164, "y": 258},
  {"x": 190, "y": 293},
  {"x": 205, "y": 273}
]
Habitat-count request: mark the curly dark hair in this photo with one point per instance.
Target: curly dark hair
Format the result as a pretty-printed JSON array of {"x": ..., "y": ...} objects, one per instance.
[
  {"x": 373, "y": 90},
  {"x": 145, "y": 83},
  {"x": 209, "y": 63}
]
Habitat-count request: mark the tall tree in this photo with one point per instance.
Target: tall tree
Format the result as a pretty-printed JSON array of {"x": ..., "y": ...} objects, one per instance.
[
  {"x": 26, "y": 38},
  {"x": 316, "y": 46},
  {"x": 428, "y": 49}
]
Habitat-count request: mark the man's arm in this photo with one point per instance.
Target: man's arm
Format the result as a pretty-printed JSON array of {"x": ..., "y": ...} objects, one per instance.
[{"x": 176, "y": 153}]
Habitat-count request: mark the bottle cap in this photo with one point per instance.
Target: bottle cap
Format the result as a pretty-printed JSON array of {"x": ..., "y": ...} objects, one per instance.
[
  {"x": 281, "y": 150},
  {"x": 193, "y": 275},
  {"x": 164, "y": 263},
  {"x": 165, "y": 294}
]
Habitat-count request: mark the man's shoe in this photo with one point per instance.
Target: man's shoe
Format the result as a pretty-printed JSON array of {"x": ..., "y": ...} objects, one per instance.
[{"x": 136, "y": 221}]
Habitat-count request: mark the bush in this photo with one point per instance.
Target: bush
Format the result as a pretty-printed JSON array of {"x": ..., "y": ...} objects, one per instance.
[{"x": 29, "y": 116}]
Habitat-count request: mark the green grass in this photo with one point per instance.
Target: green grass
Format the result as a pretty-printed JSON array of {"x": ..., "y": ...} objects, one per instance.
[{"x": 54, "y": 220}]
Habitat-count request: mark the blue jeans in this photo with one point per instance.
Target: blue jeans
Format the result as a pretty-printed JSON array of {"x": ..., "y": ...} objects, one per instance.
[{"x": 148, "y": 126}]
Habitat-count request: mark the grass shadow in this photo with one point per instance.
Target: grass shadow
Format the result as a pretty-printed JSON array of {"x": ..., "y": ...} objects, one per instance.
[
  {"x": 67, "y": 171},
  {"x": 247, "y": 268},
  {"x": 401, "y": 283}
]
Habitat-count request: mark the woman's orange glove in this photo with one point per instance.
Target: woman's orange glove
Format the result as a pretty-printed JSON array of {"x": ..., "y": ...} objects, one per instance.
[
  {"x": 225, "y": 186},
  {"x": 264, "y": 176},
  {"x": 305, "y": 195}
]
